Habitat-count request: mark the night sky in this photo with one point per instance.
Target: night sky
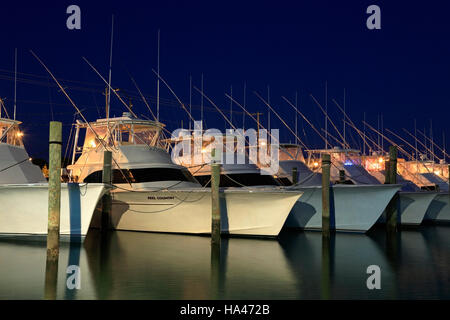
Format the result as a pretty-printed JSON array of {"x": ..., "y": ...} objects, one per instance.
[{"x": 401, "y": 71}]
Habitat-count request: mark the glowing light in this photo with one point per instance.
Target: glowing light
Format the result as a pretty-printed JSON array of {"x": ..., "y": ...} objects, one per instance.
[
  {"x": 263, "y": 143},
  {"x": 20, "y": 134},
  {"x": 381, "y": 160},
  {"x": 316, "y": 164},
  {"x": 92, "y": 143},
  {"x": 204, "y": 150},
  {"x": 348, "y": 163}
]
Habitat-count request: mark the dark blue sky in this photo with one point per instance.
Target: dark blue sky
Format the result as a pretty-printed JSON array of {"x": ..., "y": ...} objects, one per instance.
[{"x": 401, "y": 71}]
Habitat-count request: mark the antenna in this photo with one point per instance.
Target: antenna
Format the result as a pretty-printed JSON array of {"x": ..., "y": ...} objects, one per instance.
[
  {"x": 344, "y": 118},
  {"x": 157, "y": 85},
  {"x": 190, "y": 99},
  {"x": 364, "y": 144},
  {"x": 268, "y": 110},
  {"x": 108, "y": 99},
  {"x": 415, "y": 139},
  {"x": 201, "y": 102},
  {"x": 15, "y": 82},
  {"x": 231, "y": 104},
  {"x": 296, "y": 117},
  {"x": 243, "y": 115},
  {"x": 326, "y": 115}
]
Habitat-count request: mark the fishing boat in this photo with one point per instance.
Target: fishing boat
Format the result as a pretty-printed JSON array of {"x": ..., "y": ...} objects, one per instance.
[
  {"x": 349, "y": 216},
  {"x": 355, "y": 207},
  {"x": 24, "y": 192},
  {"x": 156, "y": 195},
  {"x": 414, "y": 200}
]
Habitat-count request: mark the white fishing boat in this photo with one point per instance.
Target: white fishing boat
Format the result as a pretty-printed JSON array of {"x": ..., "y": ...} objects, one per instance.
[
  {"x": 354, "y": 207},
  {"x": 154, "y": 194},
  {"x": 24, "y": 192},
  {"x": 414, "y": 201}
]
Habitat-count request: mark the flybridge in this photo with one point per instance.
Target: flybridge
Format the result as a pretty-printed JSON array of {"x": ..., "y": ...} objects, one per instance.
[{"x": 10, "y": 132}]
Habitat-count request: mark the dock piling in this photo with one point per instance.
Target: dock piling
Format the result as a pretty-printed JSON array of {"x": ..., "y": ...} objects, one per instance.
[
  {"x": 106, "y": 179},
  {"x": 392, "y": 218},
  {"x": 326, "y": 164},
  {"x": 215, "y": 183},
  {"x": 54, "y": 208},
  {"x": 294, "y": 175}
]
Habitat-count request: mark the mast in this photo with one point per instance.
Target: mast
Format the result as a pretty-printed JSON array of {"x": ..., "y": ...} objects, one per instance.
[
  {"x": 15, "y": 83},
  {"x": 108, "y": 97},
  {"x": 157, "y": 84},
  {"x": 443, "y": 139},
  {"x": 431, "y": 137}
]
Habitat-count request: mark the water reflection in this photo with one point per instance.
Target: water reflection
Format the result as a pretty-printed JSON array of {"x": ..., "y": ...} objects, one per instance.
[{"x": 300, "y": 265}]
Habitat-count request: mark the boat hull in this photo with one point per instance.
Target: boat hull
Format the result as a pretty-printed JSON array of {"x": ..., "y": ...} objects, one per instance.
[
  {"x": 243, "y": 212},
  {"x": 413, "y": 207},
  {"x": 354, "y": 208},
  {"x": 439, "y": 209},
  {"x": 24, "y": 209}
]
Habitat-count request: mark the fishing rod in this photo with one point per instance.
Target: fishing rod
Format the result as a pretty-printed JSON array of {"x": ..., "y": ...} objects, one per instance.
[
  {"x": 79, "y": 112},
  {"x": 306, "y": 119},
  {"x": 352, "y": 124},
  {"x": 279, "y": 117},
  {"x": 403, "y": 140},
  {"x": 443, "y": 151},
  {"x": 388, "y": 140},
  {"x": 326, "y": 115},
  {"x": 359, "y": 132},
  {"x": 417, "y": 140}
]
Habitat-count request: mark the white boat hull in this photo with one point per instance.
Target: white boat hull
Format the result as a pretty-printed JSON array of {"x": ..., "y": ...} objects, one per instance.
[
  {"x": 413, "y": 207},
  {"x": 243, "y": 212},
  {"x": 356, "y": 208},
  {"x": 439, "y": 209},
  {"x": 24, "y": 208}
]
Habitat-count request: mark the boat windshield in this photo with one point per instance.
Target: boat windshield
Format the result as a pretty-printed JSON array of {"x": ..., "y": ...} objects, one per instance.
[
  {"x": 10, "y": 133},
  {"x": 121, "y": 132},
  {"x": 143, "y": 175}
]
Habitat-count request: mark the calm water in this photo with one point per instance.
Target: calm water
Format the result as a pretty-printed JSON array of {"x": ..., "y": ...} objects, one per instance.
[{"x": 127, "y": 265}]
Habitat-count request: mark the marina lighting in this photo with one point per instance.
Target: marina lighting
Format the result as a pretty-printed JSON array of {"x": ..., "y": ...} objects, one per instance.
[
  {"x": 316, "y": 164},
  {"x": 204, "y": 150},
  {"x": 263, "y": 143},
  {"x": 380, "y": 160},
  {"x": 20, "y": 134}
]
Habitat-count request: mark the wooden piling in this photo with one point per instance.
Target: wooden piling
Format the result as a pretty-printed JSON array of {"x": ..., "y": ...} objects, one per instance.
[
  {"x": 294, "y": 175},
  {"x": 326, "y": 164},
  {"x": 54, "y": 208},
  {"x": 387, "y": 172},
  {"x": 392, "y": 218},
  {"x": 341, "y": 176},
  {"x": 106, "y": 179},
  {"x": 215, "y": 217}
]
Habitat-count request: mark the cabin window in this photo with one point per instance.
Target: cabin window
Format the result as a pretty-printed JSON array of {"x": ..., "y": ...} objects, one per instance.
[
  {"x": 238, "y": 180},
  {"x": 143, "y": 175}
]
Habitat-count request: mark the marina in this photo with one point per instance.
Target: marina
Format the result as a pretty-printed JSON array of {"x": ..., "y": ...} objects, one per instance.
[{"x": 215, "y": 154}]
